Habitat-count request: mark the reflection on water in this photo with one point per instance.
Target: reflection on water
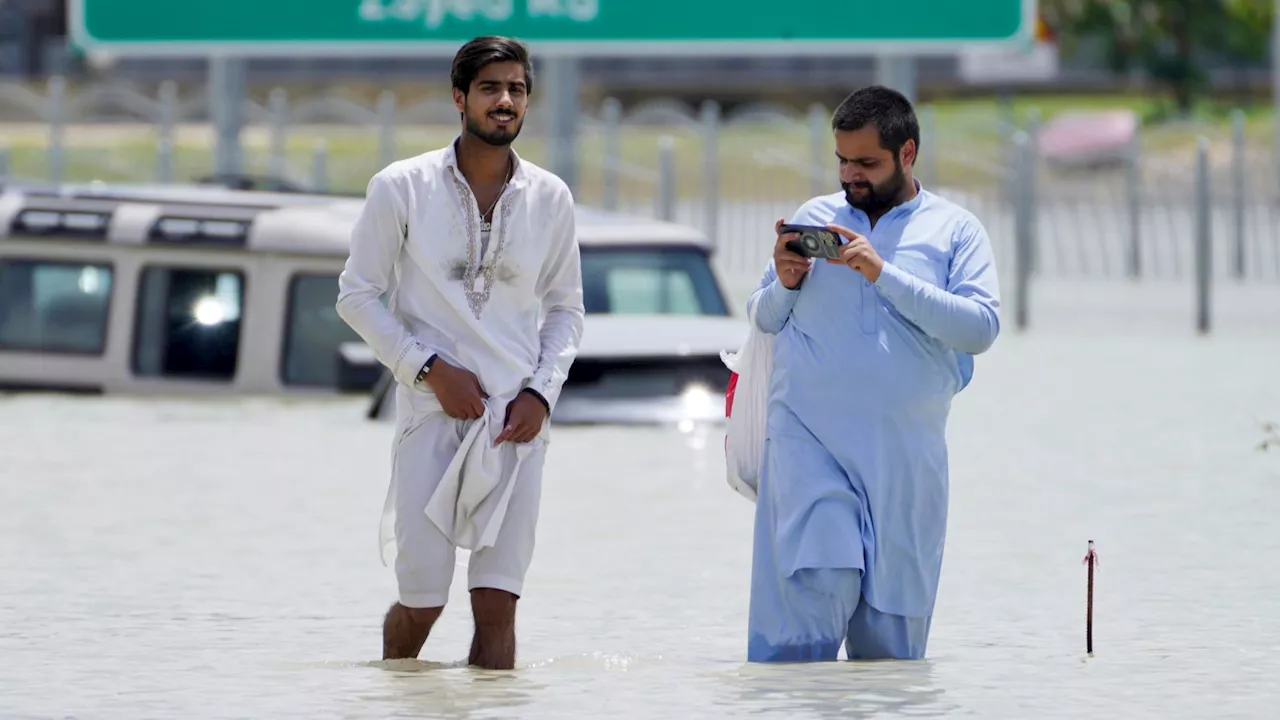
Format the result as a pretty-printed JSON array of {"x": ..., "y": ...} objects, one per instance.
[
  {"x": 219, "y": 559},
  {"x": 839, "y": 690},
  {"x": 444, "y": 691}
]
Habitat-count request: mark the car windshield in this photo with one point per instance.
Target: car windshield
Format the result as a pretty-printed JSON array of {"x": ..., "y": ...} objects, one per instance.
[{"x": 650, "y": 281}]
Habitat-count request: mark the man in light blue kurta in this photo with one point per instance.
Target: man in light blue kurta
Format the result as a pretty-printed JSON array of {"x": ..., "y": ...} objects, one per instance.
[{"x": 869, "y": 351}]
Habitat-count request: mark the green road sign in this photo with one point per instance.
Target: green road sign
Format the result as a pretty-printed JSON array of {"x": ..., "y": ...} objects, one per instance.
[{"x": 563, "y": 27}]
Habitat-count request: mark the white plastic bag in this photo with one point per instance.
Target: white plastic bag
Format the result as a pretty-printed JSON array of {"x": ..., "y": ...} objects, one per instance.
[{"x": 746, "y": 402}]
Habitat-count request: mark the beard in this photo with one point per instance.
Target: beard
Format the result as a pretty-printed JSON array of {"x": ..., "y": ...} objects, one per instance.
[
  {"x": 498, "y": 137},
  {"x": 877, "y": 198}
]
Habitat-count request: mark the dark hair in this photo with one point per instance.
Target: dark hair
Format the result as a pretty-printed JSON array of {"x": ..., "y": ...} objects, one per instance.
[
  {"x": 885, "y": 108},
  {"x": 483, "y": 51}
]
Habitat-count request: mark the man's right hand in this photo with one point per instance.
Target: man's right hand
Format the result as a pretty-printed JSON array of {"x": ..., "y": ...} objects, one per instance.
[
  {"x": 457, "y": 390},
  {"x": 790, "y": 267}
]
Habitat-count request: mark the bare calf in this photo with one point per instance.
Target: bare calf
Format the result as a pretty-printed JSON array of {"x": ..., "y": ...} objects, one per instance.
[
  {"x": 493, "y": 647},
  {"x": 405, "y": 630}
]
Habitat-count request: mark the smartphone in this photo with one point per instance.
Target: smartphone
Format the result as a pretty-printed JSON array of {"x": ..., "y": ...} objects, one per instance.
[{"x": 815, "y": 241}]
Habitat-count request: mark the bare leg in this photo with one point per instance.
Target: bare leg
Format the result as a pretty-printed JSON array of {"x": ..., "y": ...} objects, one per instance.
[
  {"x": 405, "y": 630},
  {"x": 493, "y": 646}
]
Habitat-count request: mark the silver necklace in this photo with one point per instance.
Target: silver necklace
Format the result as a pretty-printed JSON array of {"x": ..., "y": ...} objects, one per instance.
[{"x": 487, "y": 225}]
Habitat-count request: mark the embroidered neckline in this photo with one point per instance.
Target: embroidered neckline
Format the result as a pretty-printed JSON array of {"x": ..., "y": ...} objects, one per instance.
[{"x": 478, "y": 299}]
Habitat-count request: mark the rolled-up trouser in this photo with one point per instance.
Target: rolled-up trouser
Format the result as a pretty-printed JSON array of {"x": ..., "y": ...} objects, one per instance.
[{"x": 425, "y": 557}]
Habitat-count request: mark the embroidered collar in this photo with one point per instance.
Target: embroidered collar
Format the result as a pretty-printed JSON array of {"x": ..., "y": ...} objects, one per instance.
[{"x": 477, "y": 280}]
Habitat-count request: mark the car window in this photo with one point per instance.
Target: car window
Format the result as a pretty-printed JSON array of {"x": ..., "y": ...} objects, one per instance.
[
  {"x": 650, "y": 281},
  {"x": 188, "y": 323},
  {"x": 314, "y": 332},
  {"x": 54, "y": 305}
]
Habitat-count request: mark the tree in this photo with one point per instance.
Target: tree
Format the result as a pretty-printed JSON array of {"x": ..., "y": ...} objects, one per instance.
[{"x": 1170, "y": 39}]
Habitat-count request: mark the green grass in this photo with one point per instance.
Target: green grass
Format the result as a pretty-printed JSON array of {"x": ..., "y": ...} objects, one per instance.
[{"x": 756, "y": 162}]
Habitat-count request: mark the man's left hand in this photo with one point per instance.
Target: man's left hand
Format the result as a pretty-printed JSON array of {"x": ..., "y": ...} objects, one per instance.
[
  {"x": 525, "y": 416},
  {"x": 858, "y": 254}
]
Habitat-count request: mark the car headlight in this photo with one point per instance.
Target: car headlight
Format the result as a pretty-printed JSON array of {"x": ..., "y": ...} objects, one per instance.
[{"x": 697, "y": 401}]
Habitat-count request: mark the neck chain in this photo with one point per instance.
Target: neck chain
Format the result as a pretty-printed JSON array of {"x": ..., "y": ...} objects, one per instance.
[{"x": 485, "y": 224}]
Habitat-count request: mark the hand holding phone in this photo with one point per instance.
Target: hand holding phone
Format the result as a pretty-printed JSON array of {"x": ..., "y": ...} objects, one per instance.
[
  {"x": 790, "y": 266},
  {"x": 815, "y": 241}
]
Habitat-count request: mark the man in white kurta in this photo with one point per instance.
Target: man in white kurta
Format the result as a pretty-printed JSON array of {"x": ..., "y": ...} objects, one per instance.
[{"x": 483, "y": 314}]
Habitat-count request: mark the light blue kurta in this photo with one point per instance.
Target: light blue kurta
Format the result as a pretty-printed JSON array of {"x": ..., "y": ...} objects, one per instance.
[{"x": 852, "y": 507}]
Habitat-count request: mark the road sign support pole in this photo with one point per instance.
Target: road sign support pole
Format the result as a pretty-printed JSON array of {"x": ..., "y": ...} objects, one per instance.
[
  {"x": 1275, "y": 93},
  {"x": 899, "y": 73},
  {"x": 227, "y": 78},
  {"x": 562, "y": 80}
]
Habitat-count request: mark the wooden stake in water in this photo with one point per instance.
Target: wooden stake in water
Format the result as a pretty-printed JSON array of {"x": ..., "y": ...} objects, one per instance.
[{"x": 1090, "y": 559}]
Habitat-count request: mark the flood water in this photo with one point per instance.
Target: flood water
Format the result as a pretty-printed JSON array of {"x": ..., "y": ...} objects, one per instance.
[{"x": 218, "y": 558}]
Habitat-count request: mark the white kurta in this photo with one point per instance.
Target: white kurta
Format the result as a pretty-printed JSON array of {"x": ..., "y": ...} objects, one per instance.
[
  {"x": 509, "y": 310},
  {"x": 418, "y": 240}
]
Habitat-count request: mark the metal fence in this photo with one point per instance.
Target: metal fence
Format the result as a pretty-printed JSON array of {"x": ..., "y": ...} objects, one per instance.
[{"x": 731, "y": 174}]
